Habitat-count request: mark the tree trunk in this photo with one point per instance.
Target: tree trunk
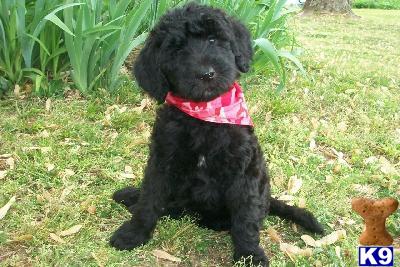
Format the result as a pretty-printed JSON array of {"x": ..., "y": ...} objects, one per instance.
[{"x": 328, "y": 7}]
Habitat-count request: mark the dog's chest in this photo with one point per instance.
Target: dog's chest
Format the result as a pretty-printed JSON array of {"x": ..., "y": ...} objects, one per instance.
[
  {"x": 213, "y": 154},
  {"x": 197, "y": 149},
  {"x": 201, "y": 162}
]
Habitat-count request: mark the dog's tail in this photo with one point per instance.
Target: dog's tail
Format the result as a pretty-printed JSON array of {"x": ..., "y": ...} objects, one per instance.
[{"x": 297, "y": 215}]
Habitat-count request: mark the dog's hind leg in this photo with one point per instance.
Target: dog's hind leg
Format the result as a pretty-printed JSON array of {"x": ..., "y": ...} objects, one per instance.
[
  {"x": 297, "y": 215},
  {"x": 127, "y": 196},
  {"x": 149, "y": 208},
  {"x": 220, "y": 224}
]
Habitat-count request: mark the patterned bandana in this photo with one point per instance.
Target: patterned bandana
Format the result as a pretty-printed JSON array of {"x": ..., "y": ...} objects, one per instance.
[{"x": 229, "y": 107}]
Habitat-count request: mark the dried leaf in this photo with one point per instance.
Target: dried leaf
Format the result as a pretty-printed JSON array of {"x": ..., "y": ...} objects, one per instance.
[
  {"x": 50, "y": 167},
  {"x": 286, "y": 198},
  {"x": 98, "y": 261},
  {"x": 17, "y": 90},
  {"x": 397, "y": 136},
  {"x": 340, "y": 157},
  {"x": 332, "y": 238},
  {"x": 128, "y": 169},
  {"x": 165, "y": 256},
  {"x": 57, "y": 238},
  {"x": 3, "y": 174},
  {"x": 342, "y": 126},
  {"x": 52, "y": 126},
  {"x": 45, "y": 134},
  {"x": 345, "y": 220},
  {"x": 337, "y": 250},
  {"x": 107, "y": 120},
  {"x": 11, "y": 163},
  {"x": 273, "y": 234},
  {"x": 48, "y": 105},
  {"x": 315, "y": 123},
  {"x": 292, "y": 250},
  {"x": 91, "y": 209},
  {"x": 85, "y": 203},
  {"x": 302, "y": 203},
  {"x": 370, "y": 160},
  {"x": 254, "y": 109},
  {"x": 279, "y": 181},
  {"x": 122, "y": 110},
  {"x": 111, "y": 109},
  {"x": 65, "y": 193},
  {"x": 337, "y": 168},
  {"x": 329, "y": 179},
  {"x": 114, "y": 135},
  {"x": 328, "y": 154},
  {"x": 143, "y": 105},
  {"x": 294, "y": 185},
  {"x": 296, "y": 120},
  {"x": 44, "y": 150},
  {"x": 386, "y": 167},
  {"x": 40, "y": 198},
  {"x": 23, "y": 238},
  {"x": 71, "y": 231},
  {"x": 75, "y": 150},
  {"x": 359, "y": 84},
  {"x": 127, "y": 176},
  {"x": 309, "y": 241},
  {"x": 68, "y": 173},
  {"x": 6, "y": 207},
  {"x": 364, "y": 189},
  {"x": 46, "y": 195},
  {"x": 146, "y": 134},
  {"x": 268, "y": 117},
  {"x": 313, "y": 144}
]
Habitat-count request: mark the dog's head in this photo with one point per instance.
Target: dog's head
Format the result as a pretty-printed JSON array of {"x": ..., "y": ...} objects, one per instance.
[{"x": 196, "y": 52}]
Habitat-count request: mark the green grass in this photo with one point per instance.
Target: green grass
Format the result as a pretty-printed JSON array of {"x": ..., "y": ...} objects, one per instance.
[
  {"x": 351, "y": 102},
  {"x": 379, "y": 4}
]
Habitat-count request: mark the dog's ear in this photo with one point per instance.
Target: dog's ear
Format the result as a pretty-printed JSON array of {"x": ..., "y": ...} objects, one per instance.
[
  {"x": 147, "y": 69},
  {"x": 241, "y": 45}
]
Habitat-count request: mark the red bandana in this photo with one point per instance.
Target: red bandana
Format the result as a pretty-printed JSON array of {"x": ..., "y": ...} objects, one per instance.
[{"x": 229, "y": 107}]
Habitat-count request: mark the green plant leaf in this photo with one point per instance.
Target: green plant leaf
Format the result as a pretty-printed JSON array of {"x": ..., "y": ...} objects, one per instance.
[
  {"x": 42, "y": 45},
  {"x": 295, "y": 60},
  {"x": 53, "y": 18},
  {"x": 270, "y": 52}
]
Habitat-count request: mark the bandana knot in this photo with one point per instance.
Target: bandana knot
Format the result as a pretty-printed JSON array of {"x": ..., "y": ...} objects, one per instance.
[{"x": 229, "y": 107}]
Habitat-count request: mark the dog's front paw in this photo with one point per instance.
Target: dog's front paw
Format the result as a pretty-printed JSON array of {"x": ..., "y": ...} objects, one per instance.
[
  {"x": 127, "y": 237},
  {"x": 260, "y": 261},
  {"x": 252, "y": 259}
]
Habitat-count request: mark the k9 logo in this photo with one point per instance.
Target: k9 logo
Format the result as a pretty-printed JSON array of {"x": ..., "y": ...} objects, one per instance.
[{"x": 375, "y": 256}]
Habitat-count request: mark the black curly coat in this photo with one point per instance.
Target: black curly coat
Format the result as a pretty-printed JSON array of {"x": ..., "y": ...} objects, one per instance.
[{"x": 216, "y": 171}]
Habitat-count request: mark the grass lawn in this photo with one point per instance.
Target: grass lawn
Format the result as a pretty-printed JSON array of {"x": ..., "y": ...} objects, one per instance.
[
  {"x": 338, "y": 130},
  {"x": 380, "y": 4}
]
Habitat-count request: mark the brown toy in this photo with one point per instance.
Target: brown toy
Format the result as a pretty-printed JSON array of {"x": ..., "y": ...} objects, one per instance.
[{"x": 374, "y": 213}]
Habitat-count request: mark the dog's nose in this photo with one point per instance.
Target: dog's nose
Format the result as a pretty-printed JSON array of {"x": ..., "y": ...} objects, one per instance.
[{"x": 209, "y": 74}]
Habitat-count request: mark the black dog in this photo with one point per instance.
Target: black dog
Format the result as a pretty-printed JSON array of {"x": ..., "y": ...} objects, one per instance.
[{"x": 216, "y": 171}]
